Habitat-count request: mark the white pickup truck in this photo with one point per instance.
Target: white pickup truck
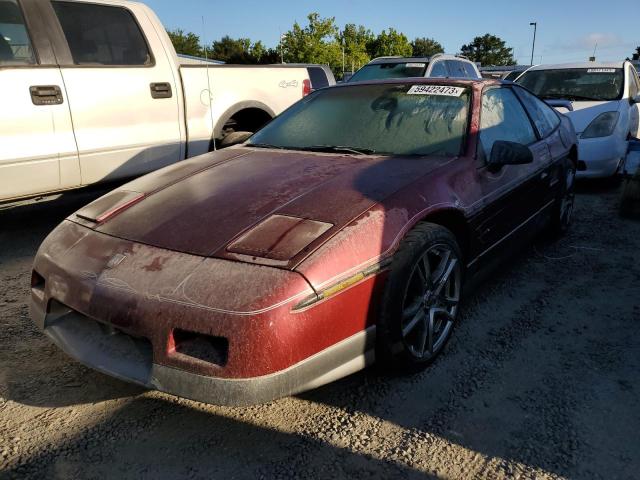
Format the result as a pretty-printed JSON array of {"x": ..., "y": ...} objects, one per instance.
[{"x": 94, "y": 91}]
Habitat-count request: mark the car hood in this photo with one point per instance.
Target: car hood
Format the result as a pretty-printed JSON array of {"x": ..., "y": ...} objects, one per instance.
[
  {"x": 585, "y": 112},
  {"x": 261, "y": 206}
]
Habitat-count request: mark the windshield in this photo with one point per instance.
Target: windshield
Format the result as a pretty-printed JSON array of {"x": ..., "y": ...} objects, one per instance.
[
  {"x": 382, "y": 119},
  {"x": 595, "y": 84},
  {"x": 378, "y": 71}
]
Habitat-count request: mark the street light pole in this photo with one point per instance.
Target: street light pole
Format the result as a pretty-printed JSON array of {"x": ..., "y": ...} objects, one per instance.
[{"x": 533, "y": 47}]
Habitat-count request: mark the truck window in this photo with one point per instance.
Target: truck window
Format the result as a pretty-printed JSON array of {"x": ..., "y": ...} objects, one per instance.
[
  {"x": 15, "y": 46},
  {"x": 318, "y": 78},
  {"x": 102, "y": 35}
]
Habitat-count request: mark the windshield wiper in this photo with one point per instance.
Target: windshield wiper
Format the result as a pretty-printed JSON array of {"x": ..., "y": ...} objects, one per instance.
[
  {"x": 265, "y": 145},
  {"x": 339, "y": 149}
]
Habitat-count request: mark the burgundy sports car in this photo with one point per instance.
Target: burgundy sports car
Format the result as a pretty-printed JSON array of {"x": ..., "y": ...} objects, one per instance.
[{"x": 338, "y": 234}]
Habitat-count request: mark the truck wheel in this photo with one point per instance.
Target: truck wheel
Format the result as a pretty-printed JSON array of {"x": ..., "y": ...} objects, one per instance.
[
  {"x": 421, "y": 298},
  {"x": 234, "y": 138}
]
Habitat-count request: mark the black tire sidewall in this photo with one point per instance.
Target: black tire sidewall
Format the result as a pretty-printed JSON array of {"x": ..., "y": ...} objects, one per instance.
[{"x": 390, "y": 350}]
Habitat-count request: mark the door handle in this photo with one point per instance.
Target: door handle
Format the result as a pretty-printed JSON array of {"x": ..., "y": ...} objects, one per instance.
[
  {"x": 46, "y": 95},
  {"x": 161, "y": 90}
]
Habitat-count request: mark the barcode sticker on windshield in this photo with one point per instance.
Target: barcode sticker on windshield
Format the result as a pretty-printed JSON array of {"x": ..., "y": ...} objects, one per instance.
[
  {"x": 436, "y": 90},
  {"x": 601, "y": 70},
  {"x": 415, "y": 65}
]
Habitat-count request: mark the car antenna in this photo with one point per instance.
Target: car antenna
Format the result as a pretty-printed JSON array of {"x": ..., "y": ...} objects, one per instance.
[{"x": 206, "y": 59}]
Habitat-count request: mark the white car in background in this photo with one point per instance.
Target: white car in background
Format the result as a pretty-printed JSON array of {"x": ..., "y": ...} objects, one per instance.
[
  {"x": 601, "y": 99},
  {"x": 438, "y": 65}
]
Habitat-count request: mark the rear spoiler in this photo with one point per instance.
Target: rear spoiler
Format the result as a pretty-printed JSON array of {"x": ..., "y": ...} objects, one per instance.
[{"x": 560, "y": 103}]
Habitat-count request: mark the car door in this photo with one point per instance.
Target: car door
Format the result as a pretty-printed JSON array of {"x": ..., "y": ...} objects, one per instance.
[
  {"x": 512, "y": 196},
  {"x": 546, "y": 122},
  {"x": 38, "y": 152},
  {"x": 121, "y": 89}
]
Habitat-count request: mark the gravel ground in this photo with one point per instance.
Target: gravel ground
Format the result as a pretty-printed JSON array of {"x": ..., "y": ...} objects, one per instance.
[{"x": 539, "y": 381}]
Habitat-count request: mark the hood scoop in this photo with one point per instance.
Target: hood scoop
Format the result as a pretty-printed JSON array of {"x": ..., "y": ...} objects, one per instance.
[
  {"x": 109, "y": 206},
  {"x": 278, "y": 237}
]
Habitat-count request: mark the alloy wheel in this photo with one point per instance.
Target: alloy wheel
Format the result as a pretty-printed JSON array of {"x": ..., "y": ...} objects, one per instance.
[{"x": 431, "y": 301}]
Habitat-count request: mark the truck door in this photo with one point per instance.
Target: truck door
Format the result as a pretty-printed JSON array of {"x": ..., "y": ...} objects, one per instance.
[
  {"x": 37, "y": 149},
  {"x": 121, "y": 89}
]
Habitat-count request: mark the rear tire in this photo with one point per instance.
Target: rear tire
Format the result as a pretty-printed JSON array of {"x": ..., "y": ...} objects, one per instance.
[
  {"x": 563, "y": 207},
  {"x": 421, "y": 299}
]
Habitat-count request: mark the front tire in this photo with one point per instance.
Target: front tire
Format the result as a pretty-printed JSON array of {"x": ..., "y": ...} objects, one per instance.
[{"x": 421, "y": 299}]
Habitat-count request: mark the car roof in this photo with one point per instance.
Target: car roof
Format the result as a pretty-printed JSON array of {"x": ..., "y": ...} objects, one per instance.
[
  {"x": 565, "y": 66},
  {"x": 453, "y": 81},
  {"x": 392, "y": 59}
]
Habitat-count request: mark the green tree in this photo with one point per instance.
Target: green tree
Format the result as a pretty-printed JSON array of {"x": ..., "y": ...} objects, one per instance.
[
  {"x": 425, "y": 47},
  {"x": 354, "y": 40},
  {"x": 391, "y": 43},
  {"x": 489, "y": 50},
  {"x": 185, "y": 43},
  {"x": 232, "y": 50},
  {"x": 315, "y": 43}
]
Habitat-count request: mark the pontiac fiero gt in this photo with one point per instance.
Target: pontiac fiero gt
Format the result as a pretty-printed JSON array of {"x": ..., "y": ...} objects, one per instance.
[{"x": 338, "y": 234}]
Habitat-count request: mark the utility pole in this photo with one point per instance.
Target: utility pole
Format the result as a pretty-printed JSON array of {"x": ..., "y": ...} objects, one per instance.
[{"x": 533, "y": 47}]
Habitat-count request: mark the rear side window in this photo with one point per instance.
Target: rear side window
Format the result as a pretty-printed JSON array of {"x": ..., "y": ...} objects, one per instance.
[
  {"x": 318, "y": 78},
  {"x": 503, "y": 118},
  {"x": 439, "y": 70},
  {"x": 102, "y": 35},
  {"x": 456, "y": 68},
  {"x": 471, "y": 72},
  {"x": 15, "y": 46},
  {"x": 545, "y": 119}
]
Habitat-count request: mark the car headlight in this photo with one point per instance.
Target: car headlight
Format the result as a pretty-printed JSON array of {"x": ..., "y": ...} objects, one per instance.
[{"x": 602, "y": 126}]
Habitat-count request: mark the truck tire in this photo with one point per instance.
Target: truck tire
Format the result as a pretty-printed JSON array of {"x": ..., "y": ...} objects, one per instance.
[{"x": 234, "y": 138}]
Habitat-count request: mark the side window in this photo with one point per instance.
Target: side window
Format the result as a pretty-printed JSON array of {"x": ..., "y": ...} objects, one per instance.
[
  {"x": 471, "y": 72},
  {"x": 439, "y": 70},
  {"x": 503, "y": 118},
  {"x": 102, "y": 35},
  {"x": 15, "y": 46},
  {"x": 543, "y": 115},
  {"x": 456, "y": 68},
  {"x": 318, "y": 78}
]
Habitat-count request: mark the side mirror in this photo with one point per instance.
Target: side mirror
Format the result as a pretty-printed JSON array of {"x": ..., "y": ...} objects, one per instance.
[
  {"x": 635, "y": 99},
  {"x": 509, "y": 153}
]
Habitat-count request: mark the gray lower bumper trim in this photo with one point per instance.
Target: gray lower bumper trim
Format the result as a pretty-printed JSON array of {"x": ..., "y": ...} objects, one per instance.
[{"x": 99, "y": 347}]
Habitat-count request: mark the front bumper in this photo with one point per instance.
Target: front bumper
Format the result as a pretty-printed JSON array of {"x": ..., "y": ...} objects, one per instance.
[
  {"x": 122, "y": 318},
  {"x": 129, "y": 358},
  {"x": 600, "y": 157}
]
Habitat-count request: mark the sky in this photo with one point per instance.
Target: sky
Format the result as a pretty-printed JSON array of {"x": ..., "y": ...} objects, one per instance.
[{"x": 568, "y": 30}]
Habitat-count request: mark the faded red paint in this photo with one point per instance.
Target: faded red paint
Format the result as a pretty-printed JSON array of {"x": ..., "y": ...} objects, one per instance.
[{"x": 180, "y": 273}]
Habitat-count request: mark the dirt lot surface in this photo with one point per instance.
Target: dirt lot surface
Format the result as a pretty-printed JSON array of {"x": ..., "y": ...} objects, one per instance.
[{"x": 541, "y": 380}]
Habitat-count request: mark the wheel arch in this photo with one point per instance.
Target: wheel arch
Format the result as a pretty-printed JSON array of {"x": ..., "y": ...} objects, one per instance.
[
  {"x": 249, "y": 108},
  {"x": 456, "y": 222}
]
